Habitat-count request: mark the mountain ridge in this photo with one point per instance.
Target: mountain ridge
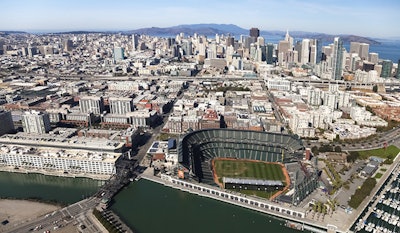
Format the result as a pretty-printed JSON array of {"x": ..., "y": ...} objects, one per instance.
[{"x": 212, "y": 29}]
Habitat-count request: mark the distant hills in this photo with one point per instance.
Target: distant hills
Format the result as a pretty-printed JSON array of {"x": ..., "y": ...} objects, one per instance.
[{"x": 212, "y": 29}]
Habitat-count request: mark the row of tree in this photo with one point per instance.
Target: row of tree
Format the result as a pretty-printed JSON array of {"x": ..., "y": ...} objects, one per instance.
[
  {"x": 325, "y": 148},
  {"x": 362, "y": 193}
]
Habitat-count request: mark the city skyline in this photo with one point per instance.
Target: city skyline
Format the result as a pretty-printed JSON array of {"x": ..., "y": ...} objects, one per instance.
[{"x": 331, "y": 17}]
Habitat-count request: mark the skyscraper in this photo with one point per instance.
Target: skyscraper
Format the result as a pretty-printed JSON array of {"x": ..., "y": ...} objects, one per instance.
[
  {"x": 270, "y": 53},
  {"x": 354, "y": 47},
  {"x": 135, "y": 42},
  {"x": 187, "y": 47},
  {"x": 373, "y": 57},
  {"x": 387, "y": 66},
  {"x": 254, "y": 32},
  {"x": 118, "y": 54},
  {"x": 305, "y": 51},
  {"x": 230, "y": 41},
  {"x": 364, "y": 50},
  {"x": 337, "y": 64},
  {"x": 68, "y": 45},
  {"x": 318, "y": 46},
  {"x": 398, "y": 70},
  {"x": 289, "y": 39}
]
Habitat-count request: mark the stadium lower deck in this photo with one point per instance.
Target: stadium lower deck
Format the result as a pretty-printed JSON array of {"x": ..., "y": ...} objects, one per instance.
[{"x": 197, "y": 150}]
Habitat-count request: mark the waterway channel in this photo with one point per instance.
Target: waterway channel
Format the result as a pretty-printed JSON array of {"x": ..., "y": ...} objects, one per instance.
[
  {"x": 46, "y": 188},
  {"x": 145, "y": 206},
  {"x": 149, "y": 207}
]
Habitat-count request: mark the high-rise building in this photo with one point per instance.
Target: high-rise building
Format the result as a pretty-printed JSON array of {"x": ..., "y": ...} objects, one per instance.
[
  {"x": 270, "y": 53},
  {"x": 373, "y": 58},
  {"x": 36, "y": 122},
  {"x": 254, "y": 32},
  {"x": 32, "y": 51},
  {"x": 230, "y": 41},
  {"x": 91, "y": 104},
  {"x": 313, "y": 54},
  {"x": 7, "y": 124},
  {"x": 135, "y": 42},
  {"x": 337, "y": 64},
  {"x": 398, "y": 70},
  {"x": 368, "y": 66},
  {"x": 48, "y": 50},
  {"x": 305, "y": 51},
  {"x": 318, "y": 46},
  {"x": 355, "y": 47},
  {"x": 289, "y": 39},
  {"x": 120, "y": 105},
  {"x": 68, "y": 45},
  {"x": 118, "y": 54},
  {"x": 364, "y": 50},
  {"x": 187, "y": 47},
  {"x": 283, "y": 50},
  {"x": 260, "y": 41},
  {"x": 387, "y": 66}
]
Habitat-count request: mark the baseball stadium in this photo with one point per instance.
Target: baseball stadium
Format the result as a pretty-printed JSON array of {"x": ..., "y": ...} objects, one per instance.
[{"x": 244, "y": 160}]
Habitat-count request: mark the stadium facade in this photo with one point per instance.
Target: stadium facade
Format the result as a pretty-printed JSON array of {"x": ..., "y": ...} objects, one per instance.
[{"x": 197, "y": 149}]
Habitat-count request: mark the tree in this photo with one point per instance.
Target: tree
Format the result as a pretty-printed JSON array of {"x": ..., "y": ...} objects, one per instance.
[
  {"x": 375, "y": 88},
  {"x": 353, "y": 156},
  {"x": 315, "y": 150},
  {"x": 338, "y": 149}
]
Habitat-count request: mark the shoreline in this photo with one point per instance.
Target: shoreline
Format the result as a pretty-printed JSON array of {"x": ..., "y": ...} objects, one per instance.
[
  {"x": 35, "y": 200},
  {"x": 18, "y": 211}
]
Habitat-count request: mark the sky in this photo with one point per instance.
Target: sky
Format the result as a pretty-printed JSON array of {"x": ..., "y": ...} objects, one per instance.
[{"x": 372, "y": 18}]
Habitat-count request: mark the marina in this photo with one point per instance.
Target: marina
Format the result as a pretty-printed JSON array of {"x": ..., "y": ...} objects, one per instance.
[{"x": 383, "y": 212}]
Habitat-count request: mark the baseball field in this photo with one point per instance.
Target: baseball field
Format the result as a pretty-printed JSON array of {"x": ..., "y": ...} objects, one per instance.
[{"x": 236, "y": 168}]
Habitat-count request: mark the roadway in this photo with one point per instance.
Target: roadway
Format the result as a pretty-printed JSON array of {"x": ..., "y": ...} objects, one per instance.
[
  {"x": 391, "y": 137},
  {"x": 59, "y": 217}
]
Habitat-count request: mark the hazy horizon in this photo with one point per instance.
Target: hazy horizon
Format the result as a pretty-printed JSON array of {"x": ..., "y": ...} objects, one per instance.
[{"x": 376, "y": 19}]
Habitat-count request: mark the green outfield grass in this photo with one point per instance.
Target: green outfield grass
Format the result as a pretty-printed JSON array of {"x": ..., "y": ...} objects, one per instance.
[{"x": 247, "y": 169}]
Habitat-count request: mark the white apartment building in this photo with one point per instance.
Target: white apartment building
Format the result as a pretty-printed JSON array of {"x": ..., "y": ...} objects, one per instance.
[
  {"x": 278, "y": 84},
  {"x": 364, "y": 117},
  {"x": 314, "y": 97},
  {"x": 52, "y": 159},
  {"x": 301, "y": 124}
]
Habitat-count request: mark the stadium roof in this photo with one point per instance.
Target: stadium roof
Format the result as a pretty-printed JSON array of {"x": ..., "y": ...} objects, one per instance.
[{"x": 252, "y": 181}]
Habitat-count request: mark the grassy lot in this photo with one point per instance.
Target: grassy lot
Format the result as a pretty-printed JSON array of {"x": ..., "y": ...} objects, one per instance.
[
  {"x": 247, "y": 169},
  {"x": 390, "y": 152},
  {"x": 378, "y": 175}
]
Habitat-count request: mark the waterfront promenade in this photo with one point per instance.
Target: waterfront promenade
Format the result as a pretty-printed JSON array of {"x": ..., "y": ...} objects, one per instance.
[{"x": 285, "y": 212}]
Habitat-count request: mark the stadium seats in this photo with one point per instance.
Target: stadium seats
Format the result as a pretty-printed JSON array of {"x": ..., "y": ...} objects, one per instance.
[{"x": 197, "y": 148}]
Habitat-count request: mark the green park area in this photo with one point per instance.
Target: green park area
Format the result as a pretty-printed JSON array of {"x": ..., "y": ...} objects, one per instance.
[{"x": 388, "y": 153}]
